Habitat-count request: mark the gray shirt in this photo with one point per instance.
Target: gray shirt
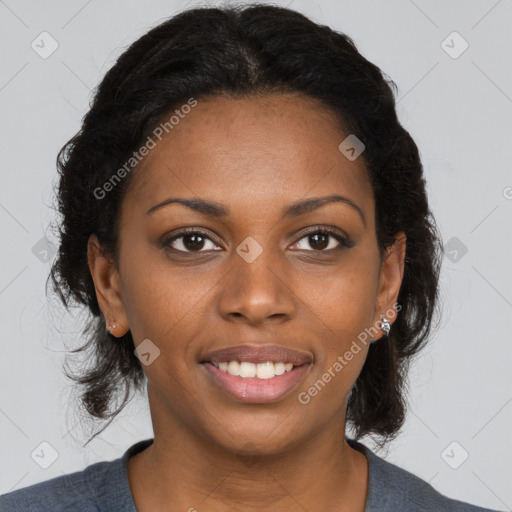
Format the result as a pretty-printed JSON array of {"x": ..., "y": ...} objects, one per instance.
[{"x": 104, "y": 486}]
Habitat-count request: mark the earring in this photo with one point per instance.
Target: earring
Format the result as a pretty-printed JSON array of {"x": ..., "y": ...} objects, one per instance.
[
  {"x": 110, "y": 328},
  {"x": 384, "y": 325}
]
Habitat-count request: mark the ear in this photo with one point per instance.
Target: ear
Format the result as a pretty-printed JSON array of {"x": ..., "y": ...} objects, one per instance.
[
  {"x": 107, "y": 284},
  {"x": 390, "y": 279}
]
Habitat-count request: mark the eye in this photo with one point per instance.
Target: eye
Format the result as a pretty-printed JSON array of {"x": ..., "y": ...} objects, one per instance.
[
  {"x": 190, "y": 240},
  {"x": 194, "y": 240},
  {"x": 319, "y": 240}
]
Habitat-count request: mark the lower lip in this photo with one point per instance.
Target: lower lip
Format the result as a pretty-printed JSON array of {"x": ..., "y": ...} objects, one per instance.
[{"x": 257, "y": 391}]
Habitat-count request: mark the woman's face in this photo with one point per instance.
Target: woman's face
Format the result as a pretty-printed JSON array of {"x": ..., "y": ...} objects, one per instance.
[{"x": 257, "y": 273}]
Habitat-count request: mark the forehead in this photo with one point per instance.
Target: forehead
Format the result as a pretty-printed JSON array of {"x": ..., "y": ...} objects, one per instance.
[{"x": 278, "y": 147}]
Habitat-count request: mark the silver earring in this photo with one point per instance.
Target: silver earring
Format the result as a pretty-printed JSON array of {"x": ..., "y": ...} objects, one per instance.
[
  {"x": 384, "y": 325},
  {"x": 111, "y": 327}
]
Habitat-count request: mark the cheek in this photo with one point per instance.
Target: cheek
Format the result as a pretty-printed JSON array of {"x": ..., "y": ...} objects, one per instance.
[
  {"x": 345, "y": 296},
  {"x": 343, "y": 308},
  {"x": 160, "y": 300}
]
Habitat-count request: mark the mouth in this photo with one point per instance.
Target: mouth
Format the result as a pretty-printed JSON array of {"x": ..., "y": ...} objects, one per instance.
[
  {"x": 256, "y": 374},
  {"x": 261, "y": 383},
  {"x": 248, "y": 370}
]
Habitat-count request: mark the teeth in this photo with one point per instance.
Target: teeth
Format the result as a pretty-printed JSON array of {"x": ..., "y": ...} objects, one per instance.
[{"x": 245, "y": 370}]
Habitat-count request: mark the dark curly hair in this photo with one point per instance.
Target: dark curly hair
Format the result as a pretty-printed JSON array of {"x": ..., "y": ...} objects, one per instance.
[{"x": 240, "y": 51}]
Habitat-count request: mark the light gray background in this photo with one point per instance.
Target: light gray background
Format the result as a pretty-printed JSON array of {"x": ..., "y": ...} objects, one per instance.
[{"x": 459, "y": 111}]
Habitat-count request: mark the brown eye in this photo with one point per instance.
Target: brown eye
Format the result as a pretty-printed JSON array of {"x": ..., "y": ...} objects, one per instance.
[
  {"x": 191, "y": 241},
  {"x": 323, "y": 240},
  {"x": 319, "y": 241}
]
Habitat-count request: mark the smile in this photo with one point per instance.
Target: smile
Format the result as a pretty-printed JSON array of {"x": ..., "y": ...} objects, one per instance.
[
  {"x": 244, "y": 369},
  {"x": 256, "y": 383}
]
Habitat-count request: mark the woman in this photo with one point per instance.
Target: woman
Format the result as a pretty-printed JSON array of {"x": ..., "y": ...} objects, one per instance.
[{"x": 247, "y": 222}]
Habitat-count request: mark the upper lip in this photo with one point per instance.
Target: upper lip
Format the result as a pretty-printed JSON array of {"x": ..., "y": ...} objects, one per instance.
[{"x": 258, "y": 354}]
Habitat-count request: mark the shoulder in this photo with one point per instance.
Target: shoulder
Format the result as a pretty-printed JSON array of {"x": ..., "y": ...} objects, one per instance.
[
  {"x": 101, "y": 486},
  {"x": 392, "y": 488},
  {"x": 67, "y": 492}
]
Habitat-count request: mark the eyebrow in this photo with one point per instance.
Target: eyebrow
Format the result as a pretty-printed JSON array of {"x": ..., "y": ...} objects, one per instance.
[{"x": 214, "y": 209}]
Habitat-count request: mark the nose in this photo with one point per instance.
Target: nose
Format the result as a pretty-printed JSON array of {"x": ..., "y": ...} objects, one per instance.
[{"x": 257, "y": 291}]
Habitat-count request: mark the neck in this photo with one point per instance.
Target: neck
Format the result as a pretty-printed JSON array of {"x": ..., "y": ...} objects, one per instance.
[{"x": 183, "y": 471}]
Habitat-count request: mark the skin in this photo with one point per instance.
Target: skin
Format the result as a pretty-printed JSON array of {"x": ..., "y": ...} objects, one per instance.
[{"x": 255, "y": 155}]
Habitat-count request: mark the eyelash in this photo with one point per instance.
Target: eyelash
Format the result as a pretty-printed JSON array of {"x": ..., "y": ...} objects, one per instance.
[{"x": 343, "y": 241}]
